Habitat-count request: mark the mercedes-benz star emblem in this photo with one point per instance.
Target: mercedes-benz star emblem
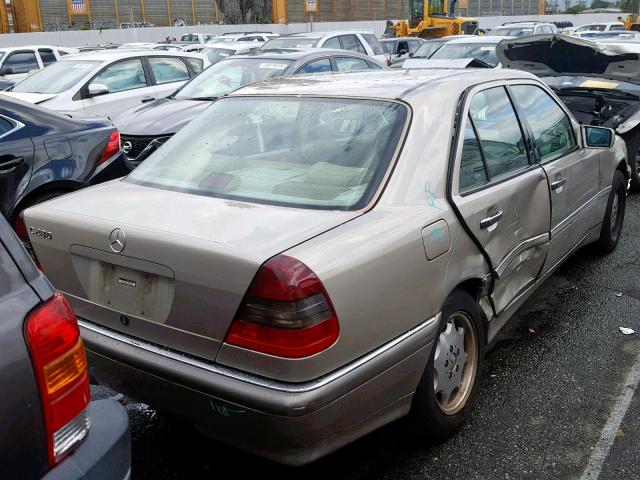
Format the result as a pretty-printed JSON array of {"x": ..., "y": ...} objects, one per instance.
[
  {"x": 117, "y": 240},
  {"x": 127, "y": 146}
]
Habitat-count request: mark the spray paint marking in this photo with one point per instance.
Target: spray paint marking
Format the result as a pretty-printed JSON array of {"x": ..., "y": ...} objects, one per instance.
[
  {"x": 432, "y": 200},
  {"x": 222, "y": 410}
]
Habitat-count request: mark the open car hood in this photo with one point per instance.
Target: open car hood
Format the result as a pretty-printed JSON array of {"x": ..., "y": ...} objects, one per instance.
[{"x": 558, "y": 55}]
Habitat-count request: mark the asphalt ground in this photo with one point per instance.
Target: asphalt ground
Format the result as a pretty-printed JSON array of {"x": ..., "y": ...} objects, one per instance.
[{"x": 558, "y": 375}]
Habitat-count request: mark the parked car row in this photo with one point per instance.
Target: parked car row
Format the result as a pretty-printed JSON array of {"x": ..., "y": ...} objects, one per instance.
[{"x": 282, "y": 249}]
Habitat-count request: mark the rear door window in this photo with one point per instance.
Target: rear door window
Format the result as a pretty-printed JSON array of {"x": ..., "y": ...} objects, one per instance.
[
  {"x": 351, "y": 42},
  {"x": 47, "y": 56},
  {"x": 501, "y": 138},
  {"x": 168, "y": 69},
  {"x": 21, "y": 62},
  {"x": 5, "y": 126},
  {"x": 319, "y": 66},
  {"x": 473, "y": 171}
]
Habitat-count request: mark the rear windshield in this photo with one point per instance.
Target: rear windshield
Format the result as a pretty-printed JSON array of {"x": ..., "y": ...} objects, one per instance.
[
  {"x": 324, "y": 153},
  {"x": 189, "y": 37},
  {"x": 484, "y": 52},
  {"x": 290, "y": 42}
]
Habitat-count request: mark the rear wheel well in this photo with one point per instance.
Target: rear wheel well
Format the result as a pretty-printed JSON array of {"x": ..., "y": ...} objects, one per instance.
[
  {"x": 473, "y": 286},
  {"x": 622, "y": 167},
  {"x": 47, "y": 189}
]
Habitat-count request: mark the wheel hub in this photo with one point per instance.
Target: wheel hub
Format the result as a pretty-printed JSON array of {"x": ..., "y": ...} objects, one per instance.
[{"x": 454, "y": 363}]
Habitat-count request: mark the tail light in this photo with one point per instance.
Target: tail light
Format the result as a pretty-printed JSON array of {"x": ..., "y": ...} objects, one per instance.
[
  {"x": 286, "y": 312},
  {"x": 113, "y": 146},
  {"x": 60, "y": 365}
]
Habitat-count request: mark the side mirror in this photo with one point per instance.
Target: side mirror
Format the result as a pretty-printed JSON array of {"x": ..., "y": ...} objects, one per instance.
[
  {"x": 96, "y": 89},
  {"x": 598, "y": 137},
  {"x": 7, "y": 71}
]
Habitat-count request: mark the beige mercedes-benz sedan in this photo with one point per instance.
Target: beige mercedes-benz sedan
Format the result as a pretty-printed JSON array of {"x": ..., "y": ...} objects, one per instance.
[{"x": 314, "y": 257}]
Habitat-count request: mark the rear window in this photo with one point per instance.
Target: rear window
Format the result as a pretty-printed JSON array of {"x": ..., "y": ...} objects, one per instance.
[
  {"x": 324, "y": 153},
  {"x": 484, "y": 52}
]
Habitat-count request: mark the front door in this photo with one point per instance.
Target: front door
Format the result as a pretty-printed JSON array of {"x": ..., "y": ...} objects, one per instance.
[
  {"x": 502, "y": 194},
  {"x": 129, "y": 86},
  {"x": 572, "y": 171},
  {"x": 16, "y": 160}
]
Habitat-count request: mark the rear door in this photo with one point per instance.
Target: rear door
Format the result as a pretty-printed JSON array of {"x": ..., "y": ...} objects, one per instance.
[
  {"x": 16, "y": 161},
  {"x": 129, "y": 85},
  {"x": 501, "y": 193},
  {"x": 168, "y": 73},
  {"x": 572, "y": 171}
]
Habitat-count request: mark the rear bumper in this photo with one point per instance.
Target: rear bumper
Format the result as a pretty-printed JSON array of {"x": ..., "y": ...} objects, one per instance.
[
  {"x": 105, "y": 454},
  {"x": 291, "y": 423}
]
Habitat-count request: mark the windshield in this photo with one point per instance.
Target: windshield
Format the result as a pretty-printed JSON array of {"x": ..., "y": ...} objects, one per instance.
[
  {"x": 578, "y": 81},
  {"x": 482, "y": 51},
  {"x": 511, "y": 31},
  {"x": 216, "y": 54},
  {"x": 223, "y": 77},
  {"x": 324, "y": 153},
  {"x": 57, "y": 77},
  {"x": 428, "y": 48},
  {"x": 290, "y": 42}
]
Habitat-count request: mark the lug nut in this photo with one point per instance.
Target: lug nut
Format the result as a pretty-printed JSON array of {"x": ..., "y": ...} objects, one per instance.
[{"x": 451, "y": 348}]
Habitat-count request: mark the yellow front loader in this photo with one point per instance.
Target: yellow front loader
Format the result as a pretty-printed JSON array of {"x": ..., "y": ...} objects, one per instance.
[{"x": 438, "y": 20}]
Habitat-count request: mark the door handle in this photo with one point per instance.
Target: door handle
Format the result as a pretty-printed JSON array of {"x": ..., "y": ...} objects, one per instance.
[
  {"x": 491, "y": 220},
  {"x": 558, "y": 184},
  {"x": 8, "y": 163},
  {"x": 147, "y": 99}
]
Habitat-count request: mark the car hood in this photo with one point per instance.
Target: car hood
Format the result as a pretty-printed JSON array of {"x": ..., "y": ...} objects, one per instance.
[
  {"x": 163, "y": 116},
  {"x": 559, "y": 55},
  {"x": 31, "y": 97}
]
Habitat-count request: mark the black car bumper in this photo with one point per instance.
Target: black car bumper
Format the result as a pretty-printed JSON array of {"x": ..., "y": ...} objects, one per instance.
[{"x": 105, "y": 454}]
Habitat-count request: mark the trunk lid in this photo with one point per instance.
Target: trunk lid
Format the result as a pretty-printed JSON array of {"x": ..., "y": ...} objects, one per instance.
[
  {"x": 31, "y": 97},
  {"x": 186, "y": 264},
  {"x": 559, "y": 55}
]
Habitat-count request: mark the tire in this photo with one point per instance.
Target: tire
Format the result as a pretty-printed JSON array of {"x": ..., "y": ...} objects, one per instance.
[
  {"x": 432, "y": 417},
  {"x": 614, "y": 215},
  {"x": 633, "y": 154}
]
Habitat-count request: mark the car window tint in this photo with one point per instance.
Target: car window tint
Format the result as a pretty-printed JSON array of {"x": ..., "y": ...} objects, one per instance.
[
  {"x": 346, "y": 64},
  {"x": 121, "y": 76},
  {"x": 319, "y": 66},
  {"x": 402, "y": 46},
  {"x": 616, "y": 27},
  {"x": 374, "y": 66},
  {"x": 5, "y": 126},
  {"x": 47, "y": 56},
  {"x": 332, "y": 43},
  {"x": 21, "y": 62},
  {"x": 351, "y": 42},
  {"x": 552, "y": 129},
  {"x": 472, "y": 169},
  {"x": 498, "y": 131},
  {"x": 195, "y": 63},
  {"x": 167, "y": 69}
]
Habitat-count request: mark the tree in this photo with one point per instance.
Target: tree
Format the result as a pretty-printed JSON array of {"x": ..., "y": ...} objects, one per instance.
[
  {"x": 600, "y": 4},
  {"x": 574, "y": 9}
]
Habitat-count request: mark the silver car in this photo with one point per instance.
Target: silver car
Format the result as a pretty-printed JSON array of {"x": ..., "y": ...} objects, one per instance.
[{"x": 313, "y": 257}]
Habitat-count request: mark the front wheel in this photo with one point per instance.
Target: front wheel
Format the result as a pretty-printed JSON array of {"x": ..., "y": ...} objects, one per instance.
[
  {"x": 614, "y": 215},
  {"x": 451, "y": 379}
]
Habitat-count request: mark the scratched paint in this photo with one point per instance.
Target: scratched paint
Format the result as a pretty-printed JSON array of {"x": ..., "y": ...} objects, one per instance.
[
  {"x": 223, "y": 410},
  {"x": 437, "y": 233},
  {"x": 453, "y": 251},
  {"x": 432, "y": 199}
]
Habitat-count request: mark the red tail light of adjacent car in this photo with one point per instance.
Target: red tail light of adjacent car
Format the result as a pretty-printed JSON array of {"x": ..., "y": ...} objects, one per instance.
[
  {"x": 113, "y": 146},
  {"x": 60, "y": 365},
  {"x": 286, "y": 312}
]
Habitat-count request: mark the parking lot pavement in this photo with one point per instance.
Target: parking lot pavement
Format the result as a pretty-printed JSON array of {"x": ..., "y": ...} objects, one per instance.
[{"x": 558, "y": 374}]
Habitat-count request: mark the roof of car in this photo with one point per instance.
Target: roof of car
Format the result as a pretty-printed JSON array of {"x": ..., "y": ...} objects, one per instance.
[
  {"x": 386, "y": 84},
  {"x": 231, "y": 45},
  {"x": 117, "y": 54},
  {"x": 11, "y": 49},
  {"x": 296, "y": 55},
  {"x": 477, "y": 39},
  {"x": 323, "y": 34}
]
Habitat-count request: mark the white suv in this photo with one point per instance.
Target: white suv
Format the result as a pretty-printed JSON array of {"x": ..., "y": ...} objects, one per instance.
[
  {"x": 354, "y": 40},
  {"x": 17, "y": 62}
]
